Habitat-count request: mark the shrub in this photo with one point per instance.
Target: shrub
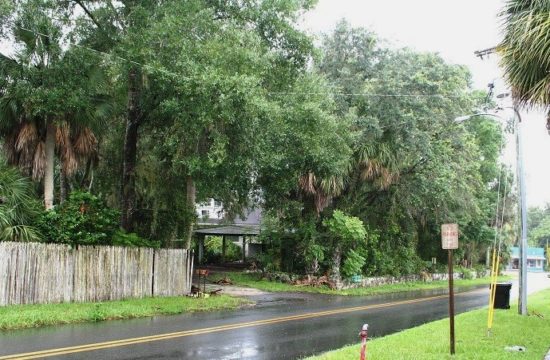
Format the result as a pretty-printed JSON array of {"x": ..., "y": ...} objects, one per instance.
[
  {"x": 481, "y": 271},
  {"x": 121, "y": 238},
  {"x": 353, "y": 264},
  {"x": 83, "y": 219},
  {"x": 348, "y": 229},
  {"x": 269, "y": 261},
  {"x": 467, "y": 274}
]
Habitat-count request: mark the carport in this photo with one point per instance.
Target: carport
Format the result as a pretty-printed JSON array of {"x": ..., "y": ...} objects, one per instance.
[{"x": 244, "y": 231}]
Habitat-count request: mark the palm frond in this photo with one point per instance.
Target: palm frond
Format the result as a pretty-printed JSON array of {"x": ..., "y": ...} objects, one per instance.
[
  {"x": 9, "y": 148},
  {"x": 307, "y": 183},
  {"x": 18, "y": 207},
  {"x": 8, "y": 66},
  {"x": 27, "y": 137},
  {"x": 39, "y": 161},
  {"x": 69, "y": 160},
  {"x": 85, "y": 144},
  {"x": 10, "y": 111},
  {"x": 378, "y": 164},
  {"x": 24, "y": 233},
  {"x": 525, "y": 50},
  {"x": 62, "y": 135}
]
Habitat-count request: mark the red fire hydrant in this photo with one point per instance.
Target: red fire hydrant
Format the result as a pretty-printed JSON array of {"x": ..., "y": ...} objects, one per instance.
[{"x": 363, "y": 335}]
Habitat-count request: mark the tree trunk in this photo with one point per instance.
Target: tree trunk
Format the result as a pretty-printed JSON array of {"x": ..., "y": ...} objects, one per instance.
[
  {"x": 63, "y": 186},
  {"x": 335, "y": 270},
  {"x": 312, "y": 267},
  {"x": 190, "y": 198},
  {"x": 154, "y": 219},
  {"x": 84, "y": 181},
  {"x": 128, "y": 183},
  {"x": 49, "y": 170}
]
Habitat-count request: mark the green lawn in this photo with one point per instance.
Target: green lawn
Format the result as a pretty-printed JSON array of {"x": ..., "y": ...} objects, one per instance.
[
  {"x": 252, "y": 280},
  {"x": 26, "y": 316},
  {"x": 431, "y": 341}
]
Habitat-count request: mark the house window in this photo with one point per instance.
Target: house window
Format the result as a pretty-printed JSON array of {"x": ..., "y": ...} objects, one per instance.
[
  {"x": 530, "y": 263},
  {"x": 205, "y": 213},
  {"x": 217, "y": 203}
]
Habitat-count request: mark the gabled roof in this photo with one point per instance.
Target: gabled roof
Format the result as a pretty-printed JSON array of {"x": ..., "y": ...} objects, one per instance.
[
  {"x": 236, "y": 230},
  {"x": 252, "y": 217}
]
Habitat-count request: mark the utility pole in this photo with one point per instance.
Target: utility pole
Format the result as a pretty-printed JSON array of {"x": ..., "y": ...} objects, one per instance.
[{"x": 522, "y": 301}]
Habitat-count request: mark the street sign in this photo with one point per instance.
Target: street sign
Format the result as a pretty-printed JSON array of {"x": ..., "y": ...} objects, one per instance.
[
  {"x": 449, "y": 241},
  {"x": 449, "y": 236}
]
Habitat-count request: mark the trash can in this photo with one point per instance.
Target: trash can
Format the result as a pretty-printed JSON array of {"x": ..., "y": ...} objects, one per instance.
[{"x": 502, "y": 295}]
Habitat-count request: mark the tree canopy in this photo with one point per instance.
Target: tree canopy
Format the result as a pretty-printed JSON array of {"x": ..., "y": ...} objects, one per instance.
[{"x": 350, "y": 148}]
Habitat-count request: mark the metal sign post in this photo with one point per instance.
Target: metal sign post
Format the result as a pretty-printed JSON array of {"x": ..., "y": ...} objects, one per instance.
[{"x": 449, "y": 241}]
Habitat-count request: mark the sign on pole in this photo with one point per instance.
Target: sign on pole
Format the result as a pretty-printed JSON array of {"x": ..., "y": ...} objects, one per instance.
[
  {"x": 449, "y": 241},
  {"x": 449, "y": 236}
]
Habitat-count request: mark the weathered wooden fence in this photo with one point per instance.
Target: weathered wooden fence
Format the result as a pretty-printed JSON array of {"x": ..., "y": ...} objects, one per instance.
[{"x": 35, "y": 273}]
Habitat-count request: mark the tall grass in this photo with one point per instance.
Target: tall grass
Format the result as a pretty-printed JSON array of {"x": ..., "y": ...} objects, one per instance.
[{"x": 26, "y": 316}]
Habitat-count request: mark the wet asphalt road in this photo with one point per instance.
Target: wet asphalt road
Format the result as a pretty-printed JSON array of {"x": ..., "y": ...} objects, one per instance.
[{"x": 286, "y": 338}]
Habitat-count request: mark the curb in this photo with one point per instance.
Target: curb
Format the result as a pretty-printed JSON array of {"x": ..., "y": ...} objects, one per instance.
[{"x": 547, "y": 357}]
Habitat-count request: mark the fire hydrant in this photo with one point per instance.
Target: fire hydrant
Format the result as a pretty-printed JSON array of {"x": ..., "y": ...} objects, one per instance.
[{"x": 364, "y": 335}]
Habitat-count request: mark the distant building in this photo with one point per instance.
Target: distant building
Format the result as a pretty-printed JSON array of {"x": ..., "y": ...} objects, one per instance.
[
  {"x": 209, "y": 212},
  {"x": 536, "y": 261}
]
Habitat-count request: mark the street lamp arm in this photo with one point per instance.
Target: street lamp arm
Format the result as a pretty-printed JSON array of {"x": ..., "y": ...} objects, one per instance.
[{"x": 468, "y": 117}]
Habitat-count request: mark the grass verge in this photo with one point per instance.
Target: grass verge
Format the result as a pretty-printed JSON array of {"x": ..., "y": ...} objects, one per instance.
[
  {"x": 431, "y": 341},
  {"x": 252, "y": 280},
  {"x": 27, "y": 316}
]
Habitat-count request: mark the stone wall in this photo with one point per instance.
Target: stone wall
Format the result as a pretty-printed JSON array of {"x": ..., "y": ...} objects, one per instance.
[{"x": 384, "y": 280}]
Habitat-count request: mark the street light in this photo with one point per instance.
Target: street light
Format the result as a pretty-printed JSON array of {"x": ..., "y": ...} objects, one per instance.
[{"x": 522, "y": 301}]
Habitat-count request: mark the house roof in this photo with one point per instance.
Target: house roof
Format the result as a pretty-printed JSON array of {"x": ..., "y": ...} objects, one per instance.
[
  {"x": 252, "y": 217},
  {"x": 236, "y": 230}
]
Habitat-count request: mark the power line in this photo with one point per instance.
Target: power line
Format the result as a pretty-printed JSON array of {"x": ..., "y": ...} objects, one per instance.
[
  {"x": 369, "y": 94},
  {"x": 102, "y": 53}
]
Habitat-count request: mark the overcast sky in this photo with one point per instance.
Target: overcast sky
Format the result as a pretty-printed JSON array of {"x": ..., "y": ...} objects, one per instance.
[{"x": 454, "y": 29}]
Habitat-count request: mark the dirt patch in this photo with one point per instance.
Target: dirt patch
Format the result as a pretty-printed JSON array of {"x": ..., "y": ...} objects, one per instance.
[
  {"x": 240, "y": 291},
  {"x": 233, "y": 290}
]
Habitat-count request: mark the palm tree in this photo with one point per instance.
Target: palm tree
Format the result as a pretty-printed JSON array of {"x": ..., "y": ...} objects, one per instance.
[
  {"x": 525, "y": 50},
  {"x": 48, "y": 104}
]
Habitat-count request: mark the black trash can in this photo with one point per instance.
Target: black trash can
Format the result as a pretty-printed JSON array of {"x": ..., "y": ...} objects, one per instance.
[{"x": 502, "y": 295}]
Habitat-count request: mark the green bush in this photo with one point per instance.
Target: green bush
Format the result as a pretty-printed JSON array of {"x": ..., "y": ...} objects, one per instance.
[
  {"x": 481, "y": 271},
  {"x": 83, "y": 219},
  {"x": 269, "y": 261},
  {"x": 120, "y": 238},
  {"x": 467, "y": 274},
  {"x": 349, "y": 229},
  {"x": 352, "y": 264}
]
